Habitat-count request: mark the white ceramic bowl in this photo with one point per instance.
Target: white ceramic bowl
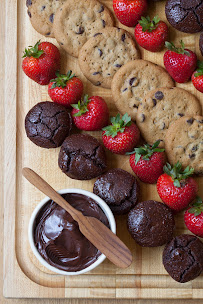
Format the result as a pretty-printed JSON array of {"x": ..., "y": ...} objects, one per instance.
[{"x": 107, "y": 211}]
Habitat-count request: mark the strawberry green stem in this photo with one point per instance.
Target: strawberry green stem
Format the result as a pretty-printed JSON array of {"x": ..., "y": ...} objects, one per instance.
[{"x": 33, "y": 51}]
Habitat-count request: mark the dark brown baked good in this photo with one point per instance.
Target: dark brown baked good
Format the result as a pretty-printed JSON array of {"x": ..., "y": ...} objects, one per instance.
[
  {"x": 201, "y": 43},
  {"x": 82, "y": 157},
  {"x": 119, "y": 189},
  {"x": 183, "y": 258},
  {"x": 151, "y": 224},
  {"x": 185, "y": 15},
  {"x": 47, "y": 124}
]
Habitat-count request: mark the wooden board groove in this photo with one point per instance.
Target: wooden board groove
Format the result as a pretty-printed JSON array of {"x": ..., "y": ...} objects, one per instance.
[{"x": 24, "y": 277}]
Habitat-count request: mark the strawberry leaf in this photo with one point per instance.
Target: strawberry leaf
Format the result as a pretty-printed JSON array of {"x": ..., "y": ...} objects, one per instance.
[
  {"x": 33, "y": 51},
  {"x": 178, "y": 175},
  {"x": 117, "y": 125},
  {"x": 148, "y": 25},
  {"x": 181, "y": 50},
  {"x": 197, "y": 206},
  {"x": 62, "y": 79},
  {"x": 81, "y": 106}
]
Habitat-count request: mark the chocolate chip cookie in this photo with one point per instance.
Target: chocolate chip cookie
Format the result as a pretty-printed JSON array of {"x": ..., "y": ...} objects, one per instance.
[
  {"x": 183, "y": 258},
  {"x": 76, "y": 21},
  {"x": 119, "y": 189},
  {"x": 82, "y": 157},
  {"x": 185, "y": 15},
  {"x": 184, "y": 142},
  {"x": 133, "y": 81},
  {"x": 42, "y": 13},
  {"x": 160, "y": 108},
  {"x": 151, "y": 224},
  {"x": 47, "y": 124},
  {"x": 105, "y": 53}
]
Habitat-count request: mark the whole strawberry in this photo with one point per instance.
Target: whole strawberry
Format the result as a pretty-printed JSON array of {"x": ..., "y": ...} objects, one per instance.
[
  {"x": 179, "y": 62},
  {"x": 41, "y": 62},
  {"x": 147, "y": 162},
  {"x": 65, "y": 89},
  {"x": 151, "y": 35},
  {"x": 129, "y": 12},
  {"x": 91, "y": 114},
  {"x": 176, "y": 188},
  {"x": 193, "y": 217},
  {"x": 197, "y": 77},
  {"x": 121, "y": 136}
]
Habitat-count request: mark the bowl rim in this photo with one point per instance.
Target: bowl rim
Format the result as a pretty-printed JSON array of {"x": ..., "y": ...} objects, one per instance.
[{"x": 103, "y": 205}]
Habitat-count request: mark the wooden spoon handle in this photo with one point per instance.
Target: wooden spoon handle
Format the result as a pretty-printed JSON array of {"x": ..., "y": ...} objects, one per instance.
[{"x": 44, "y": 187}]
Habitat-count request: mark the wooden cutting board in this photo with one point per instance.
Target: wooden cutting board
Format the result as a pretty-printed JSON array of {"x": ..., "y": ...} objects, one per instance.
[{"x": 24, "y": 277}]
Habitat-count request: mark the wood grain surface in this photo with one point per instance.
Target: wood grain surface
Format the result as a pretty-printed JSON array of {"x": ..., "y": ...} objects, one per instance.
[{"x": 167, "y": 286}]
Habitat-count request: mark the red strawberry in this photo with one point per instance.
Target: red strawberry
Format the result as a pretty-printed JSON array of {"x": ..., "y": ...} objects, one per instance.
[
  {"x": 197, "y": 77},
  {"x": 121, "y": 136},
  {"x": 129, "y": 12},
  {"x": 92, "y": 114},
  {"x": 147, "y": 162},
  {"x": 151, "y": 35},
  {"x": 65, "y": 89},
  {"x": 193, "y": 217},
  {"x": 41, "y": 62},
  {"x": 179, "y": 62},
  {"x": 175, "y": 187}
]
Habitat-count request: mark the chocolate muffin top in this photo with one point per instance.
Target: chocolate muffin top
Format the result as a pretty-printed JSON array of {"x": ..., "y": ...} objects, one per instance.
[
  {"x": 82, "y": 157},
  {"x": 185, "y": 15},
  {"x": 47, "y": 124},
  {"x": 183, "y": 258},
  {"x": 151, "y": 223},
  {"x": 118, "y": 188},
  {"x": 201, "y": 43}
]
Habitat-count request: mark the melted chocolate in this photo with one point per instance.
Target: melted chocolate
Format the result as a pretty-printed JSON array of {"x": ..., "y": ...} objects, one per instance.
[{"x": 58, "y": 238}]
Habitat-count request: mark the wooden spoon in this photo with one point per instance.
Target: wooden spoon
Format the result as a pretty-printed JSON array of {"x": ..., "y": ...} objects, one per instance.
[{"x": 94, "y": 230}]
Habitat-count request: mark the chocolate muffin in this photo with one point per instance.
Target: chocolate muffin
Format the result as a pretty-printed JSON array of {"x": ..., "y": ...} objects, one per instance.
[
  {"x": 119, "y": 189},
  {"x": 47, "y": 124},
  {"x": 183, "y": 258},
  {"x": 201, "y": 43},
  {"x": 151, "y": 224},
  {"x": 82, "y": 157},
  {"x": 185, "y": 15}
]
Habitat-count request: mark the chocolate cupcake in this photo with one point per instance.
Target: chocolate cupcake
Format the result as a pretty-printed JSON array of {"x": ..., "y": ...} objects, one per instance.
[
  {"x": 151, "y": 224},
  {"x": 185, "y": 15},
  {"x": 82, "y": 157},
  {"x": 47, "y": 124},
  {"x": 183, "y": 258},
  {"x": 201, "y": 43},
  {"x": 119, "y": 189}
]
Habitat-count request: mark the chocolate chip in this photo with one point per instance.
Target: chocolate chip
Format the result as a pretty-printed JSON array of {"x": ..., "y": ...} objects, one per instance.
[
  {"x": 159, "y": 95},
  {"x": 181, "y": 114},
  {"x": 192, "y": 155},
  {"x": 108, "y": 74},
  {"x": 97, "y": 34},
  {"x": 118, "y": 65},
  {"x": 98, "y": 83},
  {"x": 43, "y": 7},
  {"x": 96, "y": 73},
  {"x": 123, "y": 37},
  {"x": 154, "y": 101},
  {"x": 101, "y": 9},
  {"x": 163, "y": 126},
  {"x": 118, "y": 28},
  {"x": 100, "y": 52},
  {"x": 28, "y": 3},
  {"x": 104, "y": 23},
  {"x": 29, "y": 14},
  {"x": 194, "y": 148},
  {"x": 132, "y": 80},
  {"x": 125, "y": 89},
  {"x": 135, "y": 106},
  {"x": 47, "y": 34},
  {"x": 143, "y": 117},
  {"x": 80, "y": 30},
  {"x": 200, "y": 121},
  {"x": 190, "y": 121},
  {"x": 51, "y": 18},
  {"x": 61, "y": 43}
]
